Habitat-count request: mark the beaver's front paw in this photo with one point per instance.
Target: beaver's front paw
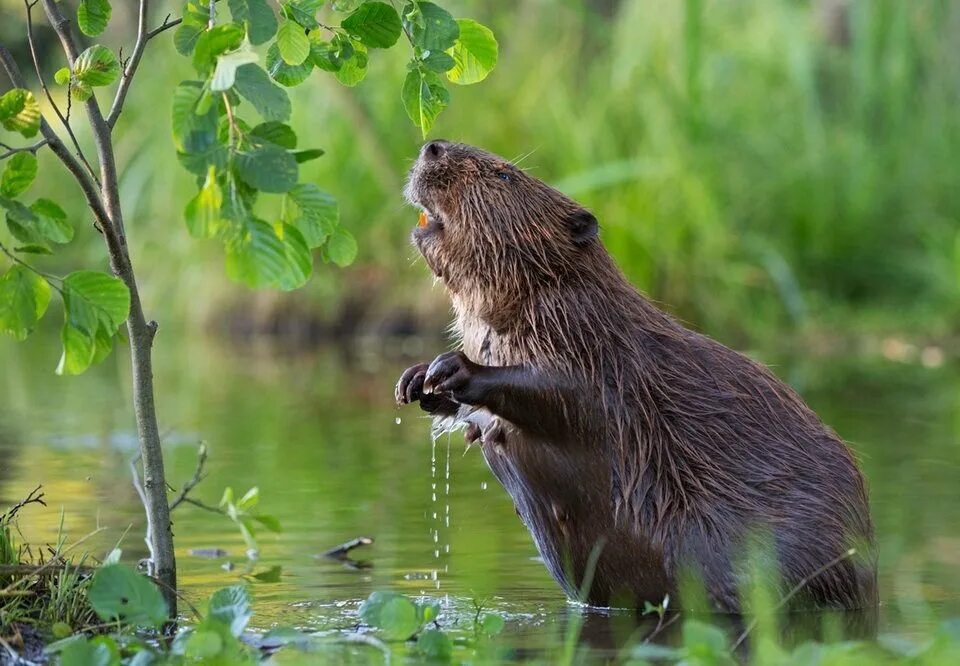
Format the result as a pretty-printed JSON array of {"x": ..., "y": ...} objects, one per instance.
[
  {"x": 455, "y": 375},
  {"x": 410, "y": 389}
]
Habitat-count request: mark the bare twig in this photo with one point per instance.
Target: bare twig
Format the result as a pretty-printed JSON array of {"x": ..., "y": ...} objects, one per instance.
[
  {"x": 205, "y": 507},
  {"x": 341, "y": 551},
  {"x": 198, "y": 476},
  {"x": 33, "y": 148},
  {"x": 792, "y": 593},
  {"x": 130, "y": 68},
  {"x": 166, "y": 25},
  {"x": 35, "y": 496},
  {"x": 46, "y": 91}
]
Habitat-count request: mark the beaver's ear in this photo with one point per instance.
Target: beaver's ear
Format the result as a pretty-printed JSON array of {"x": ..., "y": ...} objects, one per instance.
[{"x": 583, "y": 226}]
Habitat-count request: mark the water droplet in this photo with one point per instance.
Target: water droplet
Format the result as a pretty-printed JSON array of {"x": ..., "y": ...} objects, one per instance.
[
  {"x": 397, "y": 420},
  {"x": 483, "y": 485}
]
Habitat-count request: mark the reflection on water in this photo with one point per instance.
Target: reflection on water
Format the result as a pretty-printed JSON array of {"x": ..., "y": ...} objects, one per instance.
[{"x": 335, "y": 460}]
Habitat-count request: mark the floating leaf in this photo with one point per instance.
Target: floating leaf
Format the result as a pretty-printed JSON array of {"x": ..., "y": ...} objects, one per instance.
[
  {"x": 376, "y": 24},
  {"x": 24, "y": 297},
  {"x": 435, "y": 645},
  {"x": 284, "y": 74},
  {"x": 271, "y": 575},
  {"x": 96, "y": 66},
  {"x": 293, "y": 43},
  {"x": 268, "y": 168},
  {"x": 475, "y": 53},
  {"x": 398, "y": 619},
  {"x": 19, "y": 112},
  {"x": 341, "y": 247},
  {"x": 226, "y": 72},
  {"x": 93, "y": 16},
  {"x": 18, "y": 174},
  {"x": 269, "y": 99},
  {"x": 257, "y": 15},
  {"x": 432, "y": 27},
  {"x": 118, "y": 592}
]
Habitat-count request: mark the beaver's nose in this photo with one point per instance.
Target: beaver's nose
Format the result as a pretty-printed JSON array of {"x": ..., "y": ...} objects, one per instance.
[{"x": 434, "y": 150}]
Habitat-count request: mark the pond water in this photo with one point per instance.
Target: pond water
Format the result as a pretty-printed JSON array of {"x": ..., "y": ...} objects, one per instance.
[{"x": 334, "y": 459}]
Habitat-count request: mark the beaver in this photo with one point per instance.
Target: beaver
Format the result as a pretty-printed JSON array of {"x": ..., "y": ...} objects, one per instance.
[{"x": 634, "y": 449}]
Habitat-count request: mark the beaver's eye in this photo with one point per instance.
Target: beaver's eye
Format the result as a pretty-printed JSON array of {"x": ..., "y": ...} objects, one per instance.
[{"x": 504, "y": 176}]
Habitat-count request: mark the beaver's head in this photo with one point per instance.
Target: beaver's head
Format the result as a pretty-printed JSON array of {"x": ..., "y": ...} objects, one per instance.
[{"x": 486, "y": 225}]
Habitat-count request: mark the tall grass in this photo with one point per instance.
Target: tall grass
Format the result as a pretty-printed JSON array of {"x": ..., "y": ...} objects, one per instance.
[{"x": 752, "y": 167}]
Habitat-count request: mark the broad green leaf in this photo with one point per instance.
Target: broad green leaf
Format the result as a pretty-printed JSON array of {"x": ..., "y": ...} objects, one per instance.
[
  {"x": 268, "y": 168},
  {"x": 185, "y": 120},
  {"x": 203, "y": 211},
  {"x": 19, "y": 112},
  {"x": 195, "y": 133},
  {"x": 492, "y": 624},
  {"x": 323, "y": 54},
  {"x": 270, "y": 100},
  {"x": 257, "y": 257},
  {"x": 257, "y": 15},
  {"x": 284, "y": 74},
  {"x": 93, "y": 16},
  {"x": 18, "y": 174},
  {"x": 317, "y": 216},
  {"x": 81, "y": 91},
  {"x": 185, "y": 37},
  {"x": 231, "y": 606},
  {"x": 309, "y": 154},
  {"x": 303, "y": 12},
  {"x": 704, "y": 642},
  {"x": 24, "y": 297},
  {"x": 84, "y": 652},
  {"x": 341, "y": 247},
  {"x": 435, "y": 645},
  {"x": 213, "y": 42},
  {"x": 276, "y": 133},
  {"x": 299, "y": 259},
  {"x": 372, "y": 606},
  {"x": 438, "y": 61},
  {"x": 42, "y": 221},
  {"x": 424, "y": 97},
  {"x": 96, "y": 66},
  {"x": 376, "y": 24},
  {"x": 354, "y": 69},
  {"x": 398, "y": 619},
  {"x": 118, "y": 592},
  {"x": 271, "y": 575},
  {"x": 33, "y": 249},
  {"x": 249, "y": 500},
  {"x": 92, "y": 301},
  {"x": 62, "y": 76},
  {"x": 270, "y": 522},
  {"x": 293, "y": 43},
  {"x": 475, "y": 53},
  {"x": 202, "y": 645},
  {"x": 226, "y": 72},
  {"x": 433, "y": 29}
]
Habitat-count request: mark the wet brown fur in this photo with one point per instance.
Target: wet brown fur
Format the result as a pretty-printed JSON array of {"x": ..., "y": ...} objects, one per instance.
[{"x": 674, "y": 449}]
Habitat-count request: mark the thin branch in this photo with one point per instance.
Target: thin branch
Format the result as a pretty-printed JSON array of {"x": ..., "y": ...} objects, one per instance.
[
  {"x": 46, "y": 91},
  {"x": 198, "y": 476},
  {"x": 26, "y": 149},
  {"x": 166, "y": 25},
  {"x": 35, "y": 496},
  {"x": 17, "y": 260},
  {"x": 60, "y": 150},
  {"x": 205, "y": 507},
  {"x": 143, "y": 36},
  {"x": 792, "y": 593}
]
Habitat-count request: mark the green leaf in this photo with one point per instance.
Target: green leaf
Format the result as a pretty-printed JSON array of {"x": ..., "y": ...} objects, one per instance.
[
  {"x": 353, "y": 70},
  {"x": 491, "y": 624},
  {"x": 704, "y": 642},
  {"x": 95, "y": 305},
  {"x": 303, "y": 12},
  {"x": 275, "y": 133},
  {"x": 341, "y": 247},
  {"x": 185, "y": 37},
  {"x": 323, "y": 54},
  {"x": 227, "y": 64},
  {"x": 203, "y": 211},
  {"x": 42, "y": 221},
  {"x": 231, "y": 606},
  {"x": 93, "y": 16},
  {"x": 18, "y": 174},
  {"x": 438, "y": 61},
  {"x": 96, "y": 66},
  {"x": 284, "y": 74},
  {"x": 270, "y": 522},
  {"x": 370, "y": 609},
  {"x": 118, "y": 592},
  {"x": 318, "y": 214},
  {"x": 203, "y": 645},
  {"x": 33, "y": 249},
  {"x": 434, "y": 28},
  {"x": 435, "y": 645},
  {"x": 24, "y": 297},
  {"x": 299, "y": 259},
  {"x": 83, "y": 652},
  {"x": 257, "y": 15},
  {"x": 424, "y": 97},
  {"x": 376, "y": 24},
  {"x": 271, "y": 575},
  {"x": 62, "y": 76},
  {"x": 213, "y": 42},
  {"x": 81, "y": 91},
  {"x": 19, "y": 112},
  {"x": 398, "y": 619},
  {"x": 269, "y": 99},
  {"x": 268, "y": 168},
  {"x": 302, "y": 156},
  {"x": 257, "y": 257},
  {"x": 475, "y": 53},
  {"x": 293, "y": 43},
  {"x": 249, "y": 499},
  {"x": 185, "y": 120}
]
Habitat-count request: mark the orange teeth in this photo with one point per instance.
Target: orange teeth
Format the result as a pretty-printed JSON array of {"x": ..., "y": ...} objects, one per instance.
[{"x": 422, "y": 220}]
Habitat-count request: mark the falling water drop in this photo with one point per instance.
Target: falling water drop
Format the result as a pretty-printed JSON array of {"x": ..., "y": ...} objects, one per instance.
[{"x": 397, "y": 420}]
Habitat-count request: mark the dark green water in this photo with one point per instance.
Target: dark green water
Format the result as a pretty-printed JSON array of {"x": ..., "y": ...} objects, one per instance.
[{"x": 318, "y": 434}]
